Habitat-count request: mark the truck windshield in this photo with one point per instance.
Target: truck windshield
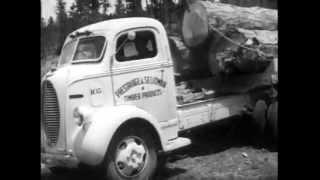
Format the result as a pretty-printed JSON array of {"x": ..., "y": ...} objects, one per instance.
[
  {"x": 67, "y": 52},
  {"x": 87, "y": 49}
]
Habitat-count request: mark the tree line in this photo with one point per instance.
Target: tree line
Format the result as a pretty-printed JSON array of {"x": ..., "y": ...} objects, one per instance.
[{"x": 84, "y": 12}]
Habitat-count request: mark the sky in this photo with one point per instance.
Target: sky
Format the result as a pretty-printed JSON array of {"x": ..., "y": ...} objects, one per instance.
[{"x": 48, "y": 7}]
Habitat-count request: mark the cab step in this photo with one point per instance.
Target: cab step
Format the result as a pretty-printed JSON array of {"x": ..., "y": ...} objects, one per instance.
[{"x": 177, "y": 143}]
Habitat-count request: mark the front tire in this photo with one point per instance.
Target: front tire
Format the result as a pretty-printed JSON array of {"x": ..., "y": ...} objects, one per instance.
[{"x": 132, "y": 154}]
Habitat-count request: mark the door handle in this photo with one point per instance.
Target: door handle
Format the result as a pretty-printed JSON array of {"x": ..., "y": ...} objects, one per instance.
[{"x": 162, "y": 72}]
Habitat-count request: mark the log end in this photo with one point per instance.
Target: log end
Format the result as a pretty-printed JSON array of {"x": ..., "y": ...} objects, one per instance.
[{"x": 195, "y": 25}]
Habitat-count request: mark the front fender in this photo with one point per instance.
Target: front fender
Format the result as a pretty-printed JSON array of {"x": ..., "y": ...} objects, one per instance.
[{"x": 91, "y": 145}]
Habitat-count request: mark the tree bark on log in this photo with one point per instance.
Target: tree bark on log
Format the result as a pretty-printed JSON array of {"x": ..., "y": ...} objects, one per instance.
[
  {"x": 249, "y": 60},
  {"x": 244, "y": 42},
  {"x": 201, "y": 15},
  {"x": 210, "y": 29}
]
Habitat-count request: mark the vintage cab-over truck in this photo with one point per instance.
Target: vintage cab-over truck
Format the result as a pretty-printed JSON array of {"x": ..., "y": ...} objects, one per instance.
[{"x": 112, "y": 100}]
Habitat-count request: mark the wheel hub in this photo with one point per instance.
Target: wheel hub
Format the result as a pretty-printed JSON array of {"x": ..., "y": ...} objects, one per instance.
[{"x": 131, "y": 155}]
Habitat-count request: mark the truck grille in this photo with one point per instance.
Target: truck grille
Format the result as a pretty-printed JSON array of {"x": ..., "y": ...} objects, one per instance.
[{"x": 50, "y": 113}]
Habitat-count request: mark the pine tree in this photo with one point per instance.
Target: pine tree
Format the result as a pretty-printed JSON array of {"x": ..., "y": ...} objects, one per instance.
[
  {"x": 51, "y": 36},
  {"x": 86, "y": 11},
  {"x": 74, "y": 17},
  {"x": 42, "y": 37},
  {"x": 62, "y": 24},
  {"x": 120, "y": 10},
  {"x": 105, "y": 4},
  {"x": 135, "y": 8}
]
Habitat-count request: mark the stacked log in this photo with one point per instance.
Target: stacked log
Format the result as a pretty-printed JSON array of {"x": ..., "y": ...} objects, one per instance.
[
  {"x": 202, "y": 14},
  {"x": 224, "y": 38}
]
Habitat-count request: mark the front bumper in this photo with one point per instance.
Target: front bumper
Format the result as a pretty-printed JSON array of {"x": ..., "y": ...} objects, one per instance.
[{"x": 59, "y": 160}]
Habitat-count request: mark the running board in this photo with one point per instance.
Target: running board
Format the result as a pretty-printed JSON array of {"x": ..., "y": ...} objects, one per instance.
[{"x": 177, "y": 143}]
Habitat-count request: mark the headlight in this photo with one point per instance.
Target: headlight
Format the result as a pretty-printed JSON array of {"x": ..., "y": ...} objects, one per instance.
[
  {"x": 78, "y": 116},
  {"x": 81, "y": 115}
]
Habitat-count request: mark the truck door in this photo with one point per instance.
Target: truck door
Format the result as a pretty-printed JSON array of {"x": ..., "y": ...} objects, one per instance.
[{"x": 142, "y": 74}]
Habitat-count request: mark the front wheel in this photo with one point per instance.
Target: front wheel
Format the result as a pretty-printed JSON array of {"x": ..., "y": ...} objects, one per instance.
[{"x": 132, "y": 155}]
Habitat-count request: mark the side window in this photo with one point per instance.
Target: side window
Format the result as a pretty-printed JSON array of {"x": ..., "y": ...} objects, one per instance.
[{"x": 143, "y": 46}]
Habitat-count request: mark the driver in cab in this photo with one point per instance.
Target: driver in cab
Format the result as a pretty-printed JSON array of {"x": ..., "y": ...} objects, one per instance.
[{"x": 86, "y": 51}]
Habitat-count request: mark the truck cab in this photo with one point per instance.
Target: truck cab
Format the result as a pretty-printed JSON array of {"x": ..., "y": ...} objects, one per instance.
[{"x": 112, "y": 101}]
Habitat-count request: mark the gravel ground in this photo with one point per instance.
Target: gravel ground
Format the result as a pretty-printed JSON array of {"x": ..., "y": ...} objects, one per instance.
[
  {"x": 220, "y": 151},
  {"x": 234, "y": 163}
]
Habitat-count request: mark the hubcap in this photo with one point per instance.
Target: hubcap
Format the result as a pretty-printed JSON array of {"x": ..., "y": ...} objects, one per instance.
[{"x": 131, "y": 156}]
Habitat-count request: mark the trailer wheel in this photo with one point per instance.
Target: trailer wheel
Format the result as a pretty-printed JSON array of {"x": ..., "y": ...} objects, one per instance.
[
  {"x": 59, "y": 170},
  {"x": 132, "y": 155},
  {"x": 259, "y": 116},
  {"x": 272, "y": 117}
]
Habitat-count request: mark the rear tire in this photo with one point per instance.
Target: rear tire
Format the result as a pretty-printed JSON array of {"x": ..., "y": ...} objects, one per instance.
[
  {"x": 259, "y": 116},
  {"x": 59, "y": 170},
  {"x": 272, "y": 116},
  {"x": 132, "y": 154}
]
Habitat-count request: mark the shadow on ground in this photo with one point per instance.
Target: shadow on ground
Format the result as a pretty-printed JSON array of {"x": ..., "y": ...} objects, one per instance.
[
  {"x": 228, "y": 135},
  {"x": 207, "y": 141}
]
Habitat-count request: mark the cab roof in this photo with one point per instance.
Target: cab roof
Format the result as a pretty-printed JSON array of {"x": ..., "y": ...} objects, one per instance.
[{"x": 120, "y": 24}]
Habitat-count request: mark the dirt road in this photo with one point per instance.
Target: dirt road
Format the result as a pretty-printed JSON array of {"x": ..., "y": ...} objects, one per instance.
[{"x": 220, "y": 151}]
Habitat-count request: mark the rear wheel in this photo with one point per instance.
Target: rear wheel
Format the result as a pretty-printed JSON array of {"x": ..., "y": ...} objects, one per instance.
[
  {"x": 132, "y": 155},
  {"x": 259, "y": 116},
  {"x": 59, "y": 170},
  {"x": 272, "y": 116}
]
